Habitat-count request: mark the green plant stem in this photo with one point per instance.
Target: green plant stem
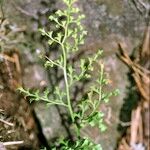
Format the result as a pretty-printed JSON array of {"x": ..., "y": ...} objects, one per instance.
[
  {"x": 67, "y": 85},
  {"x": 54, "y": 63},
  {"x": 101, "y": 78},
  {"x": 46, "y": 100},
  {"x": 65, "y": 66},
  {"x": 77, "y": 129},
  {"x": 100, "y": 91}
]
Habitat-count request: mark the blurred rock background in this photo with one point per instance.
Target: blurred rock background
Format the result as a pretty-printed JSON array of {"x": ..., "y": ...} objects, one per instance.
[{"x": 108, "y": 23}]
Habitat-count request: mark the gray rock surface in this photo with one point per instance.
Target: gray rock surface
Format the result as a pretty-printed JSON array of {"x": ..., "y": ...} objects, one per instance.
[
  {"x": 108, "y": 23},
  {"x": 50, "y": 121}
]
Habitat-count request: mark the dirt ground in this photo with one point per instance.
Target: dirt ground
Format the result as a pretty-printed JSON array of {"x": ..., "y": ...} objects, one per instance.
[{"x": 17, "y": 123}]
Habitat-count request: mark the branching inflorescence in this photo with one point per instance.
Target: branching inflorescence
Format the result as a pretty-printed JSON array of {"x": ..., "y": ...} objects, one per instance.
[{"x": 70, "y": 37}]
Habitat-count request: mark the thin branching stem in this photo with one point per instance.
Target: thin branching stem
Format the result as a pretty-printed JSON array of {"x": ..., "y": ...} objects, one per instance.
[
  {"x": 65, "y": 66},
  {"x": 101, "y": 80},
  {"x": 54, "y": 63}
]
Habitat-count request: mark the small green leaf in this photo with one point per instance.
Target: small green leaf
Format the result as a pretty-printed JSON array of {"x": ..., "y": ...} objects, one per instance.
[
  {"x": 116, "y": 92},
  {"x": 51, "y": 18},
  {"x": 42, "y": 31},
  {"x": 48, "y": 64},
  {"x": 50, "y": 42},
  {"x": 102, "y": 127},
  {"x": 59, "y": 13}
]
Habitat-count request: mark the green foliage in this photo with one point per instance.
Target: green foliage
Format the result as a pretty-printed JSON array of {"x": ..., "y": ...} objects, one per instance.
[
  {"x": 80, "y": 144},
  {"x": 70, "y": 37}
]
